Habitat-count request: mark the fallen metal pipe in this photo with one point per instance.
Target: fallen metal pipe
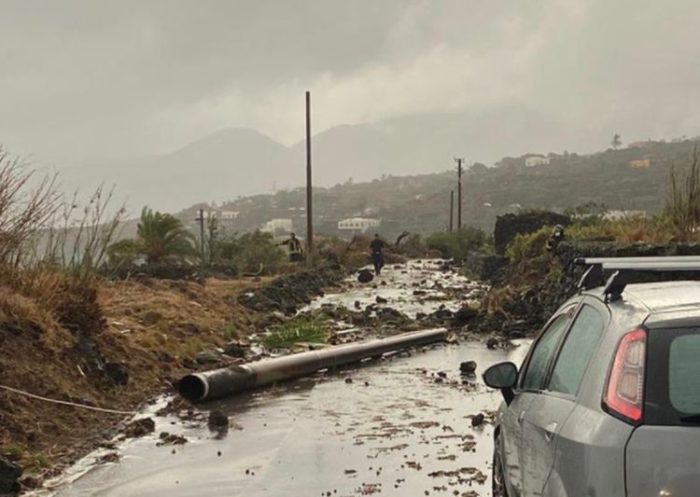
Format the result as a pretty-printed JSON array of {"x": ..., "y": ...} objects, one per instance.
[{"x": 198, "y": 387}]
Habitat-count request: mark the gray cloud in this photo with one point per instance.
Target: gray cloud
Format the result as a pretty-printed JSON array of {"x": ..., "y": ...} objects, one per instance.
[{"x": 85, "y": 79}]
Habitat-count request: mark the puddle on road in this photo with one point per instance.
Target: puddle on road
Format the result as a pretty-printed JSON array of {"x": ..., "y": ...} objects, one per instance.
[{"x": 400, "y": 434}]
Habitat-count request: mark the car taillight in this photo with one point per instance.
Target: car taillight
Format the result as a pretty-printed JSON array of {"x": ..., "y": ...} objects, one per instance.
[{"x": 624, "y": 394}]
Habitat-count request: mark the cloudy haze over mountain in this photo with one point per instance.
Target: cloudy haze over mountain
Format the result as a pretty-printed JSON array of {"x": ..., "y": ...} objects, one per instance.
[{"x": 115, "y": 90}]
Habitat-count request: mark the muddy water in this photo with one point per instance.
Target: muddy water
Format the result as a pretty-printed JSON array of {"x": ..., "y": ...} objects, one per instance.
[{"x": 399, "y": 426}]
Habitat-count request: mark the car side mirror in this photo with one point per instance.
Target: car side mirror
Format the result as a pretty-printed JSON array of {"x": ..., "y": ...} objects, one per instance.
[{"x": 504, "y": 377}]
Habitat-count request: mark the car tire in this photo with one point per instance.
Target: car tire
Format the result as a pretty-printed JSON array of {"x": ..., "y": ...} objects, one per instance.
[{"x": 498, "y": 482}]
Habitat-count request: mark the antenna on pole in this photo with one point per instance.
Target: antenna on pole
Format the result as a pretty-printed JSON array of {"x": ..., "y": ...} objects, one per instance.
[{"x": 459, "y": 161}]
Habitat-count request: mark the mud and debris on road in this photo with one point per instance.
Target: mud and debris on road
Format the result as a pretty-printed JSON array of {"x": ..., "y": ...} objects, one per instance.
[{"x": 384, "y": 427}]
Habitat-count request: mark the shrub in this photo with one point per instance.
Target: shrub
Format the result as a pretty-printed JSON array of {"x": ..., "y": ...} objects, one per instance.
[
  {"x": 683, "y": 203},
  {"x": 457, "y": 244},
  {"x": 529, "y": 246},
  {"x": 251, "y": 252},
  {"x": 413, "y": 246}
]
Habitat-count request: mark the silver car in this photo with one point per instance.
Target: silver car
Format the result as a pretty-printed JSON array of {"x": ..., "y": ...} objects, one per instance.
[{"x": 607, "y": 401}]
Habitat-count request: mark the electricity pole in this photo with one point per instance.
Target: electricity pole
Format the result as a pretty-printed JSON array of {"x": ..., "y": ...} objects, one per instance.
[
  {"x": 452, "y": 209},
  {"x": 309, "y": 191},
  {"x": 459, "y": 161},
  {"x": 200, "y": 220}
]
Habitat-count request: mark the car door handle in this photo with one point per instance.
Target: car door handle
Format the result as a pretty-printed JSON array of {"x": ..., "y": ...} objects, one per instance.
[
  {"x": 521, "y": 416},
  {"x": 549, "y": 431}
]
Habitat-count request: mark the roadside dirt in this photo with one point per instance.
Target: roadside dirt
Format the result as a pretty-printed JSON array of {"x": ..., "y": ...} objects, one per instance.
[{"x": 152, "y": 333}]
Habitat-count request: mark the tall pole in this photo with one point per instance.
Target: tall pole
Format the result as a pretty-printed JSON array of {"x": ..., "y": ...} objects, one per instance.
[
  {"x": 200, "y": 220},
  {"x": 459, "y": 161},
  {"x": 309, "y": 191},
  {"x": 452, "y": 209}
]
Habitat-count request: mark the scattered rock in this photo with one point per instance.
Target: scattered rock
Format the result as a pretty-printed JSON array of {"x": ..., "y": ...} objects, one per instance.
[
  {"x": 217, "y": 419},
  {"x": 348, "y": 380},
  {"x": 117, "y": 372},
  {"x": 492, "y": 343},
  {"x": 9, "y": 474},
  {"x": 140, "y": 428},
  {"x": 468, "y": 367},
  {"x": 381, "y": 300},
  {"x": 358, "y": 304},
  {"x": 235, "y": 349},
  {"x": 109, "y": 457},
  {"x": 209, "y": 356},
  {"x": 464, "y": 315},
  {"x": 31, "y": 482},
  {"x": 171, "y": 439},
  {"x": 478, "y": 420},
  {"x": 365, "y": 276},
  {"x": 442, "y": 374}
]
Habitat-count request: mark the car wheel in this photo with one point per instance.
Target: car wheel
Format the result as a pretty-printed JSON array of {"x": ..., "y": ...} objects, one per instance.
[{"x": 498, "y": 483}]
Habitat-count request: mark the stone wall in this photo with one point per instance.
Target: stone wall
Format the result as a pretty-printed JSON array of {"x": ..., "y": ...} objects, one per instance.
[{"x": 509, "y": 226}]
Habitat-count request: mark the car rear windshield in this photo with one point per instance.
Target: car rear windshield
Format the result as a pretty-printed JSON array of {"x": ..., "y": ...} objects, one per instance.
[{"x": 673, "y": 377}]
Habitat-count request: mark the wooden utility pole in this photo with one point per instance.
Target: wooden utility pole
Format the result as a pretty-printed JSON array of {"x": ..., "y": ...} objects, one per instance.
[
  {"x": 200, "y": 220},
  {"x": 452, "y": 209},
  {"x": 309, "y": 190},
  {"x": 459, "y": 161}
]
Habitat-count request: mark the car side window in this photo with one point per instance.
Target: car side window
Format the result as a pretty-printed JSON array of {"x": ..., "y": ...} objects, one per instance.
[
  {"x": 576, "y": 353},
  {"x": 542, "y": 354}
]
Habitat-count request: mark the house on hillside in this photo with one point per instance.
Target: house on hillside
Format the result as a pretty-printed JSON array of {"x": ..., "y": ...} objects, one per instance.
[
  {"x": 536, "y": 160},
  {"x": 358, "y": 224},
  {"x": 278, "y": 226},
  {"x": 640, "y": 164}
]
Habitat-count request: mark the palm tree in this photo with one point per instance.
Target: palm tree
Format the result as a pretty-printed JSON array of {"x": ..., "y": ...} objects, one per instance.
[{"x": 161, "y": 235}]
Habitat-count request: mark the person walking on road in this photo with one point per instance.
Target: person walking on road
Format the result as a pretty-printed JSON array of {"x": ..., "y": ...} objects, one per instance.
[{"x": 377, "y": 248}]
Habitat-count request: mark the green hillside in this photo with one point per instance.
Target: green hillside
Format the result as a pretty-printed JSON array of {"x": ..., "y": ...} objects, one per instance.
[{"x": 633, "y": 178}]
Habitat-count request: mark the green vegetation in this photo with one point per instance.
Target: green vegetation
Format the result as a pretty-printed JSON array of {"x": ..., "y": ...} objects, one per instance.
[
  {"x": 163, "y": 235},
  {"x": 299, "y": 330},
  {"x": 254, "y": 253},
  {"x": 458, "y": 244},
  {"x": 683, "y": 203}
]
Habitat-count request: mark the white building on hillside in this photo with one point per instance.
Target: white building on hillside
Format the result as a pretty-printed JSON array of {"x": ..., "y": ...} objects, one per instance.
[
  {"x": 536, "y": 160},
  {"x": 278, "y": 226},
  {"x": 358, "y": 224}
]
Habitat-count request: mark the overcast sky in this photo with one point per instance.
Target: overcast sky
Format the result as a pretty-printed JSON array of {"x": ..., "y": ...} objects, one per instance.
[{"x": 103, "y": 79}]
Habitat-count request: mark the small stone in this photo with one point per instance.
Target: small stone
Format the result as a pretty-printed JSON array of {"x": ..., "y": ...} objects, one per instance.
[
  {"x": 9, "y": 474},
  {"x": 208, "y": 357},
  {"x": 117, "y": 372},
  {"x": 381, "y": 300},
  {"x": 217, "y": 419},
  {"x": 492, "y": 343},
  {"x": 365, "y": 276},
  {"x": 468, "y": 367},
  {"x": 348, "y": 380},
  {"x": 478, "y": 420},
  {"x": 140, "y": 428},
  {"x": 234, "y": 349}
]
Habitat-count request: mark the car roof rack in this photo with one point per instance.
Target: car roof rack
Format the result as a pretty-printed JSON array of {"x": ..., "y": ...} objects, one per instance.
[{"x": 621, "y": 270}]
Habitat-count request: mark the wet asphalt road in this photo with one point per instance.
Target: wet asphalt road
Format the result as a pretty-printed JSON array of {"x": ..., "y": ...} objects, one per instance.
[
  {"x": 390, "y": 427},
  {"x": 322, "y": 435}
]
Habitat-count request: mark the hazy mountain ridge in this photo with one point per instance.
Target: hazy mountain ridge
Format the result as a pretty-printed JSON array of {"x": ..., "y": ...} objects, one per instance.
[{"x": 235, "y": 162}]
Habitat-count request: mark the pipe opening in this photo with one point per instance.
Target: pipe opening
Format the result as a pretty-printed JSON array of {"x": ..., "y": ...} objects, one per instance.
[{"x": 192, "y": 387}]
